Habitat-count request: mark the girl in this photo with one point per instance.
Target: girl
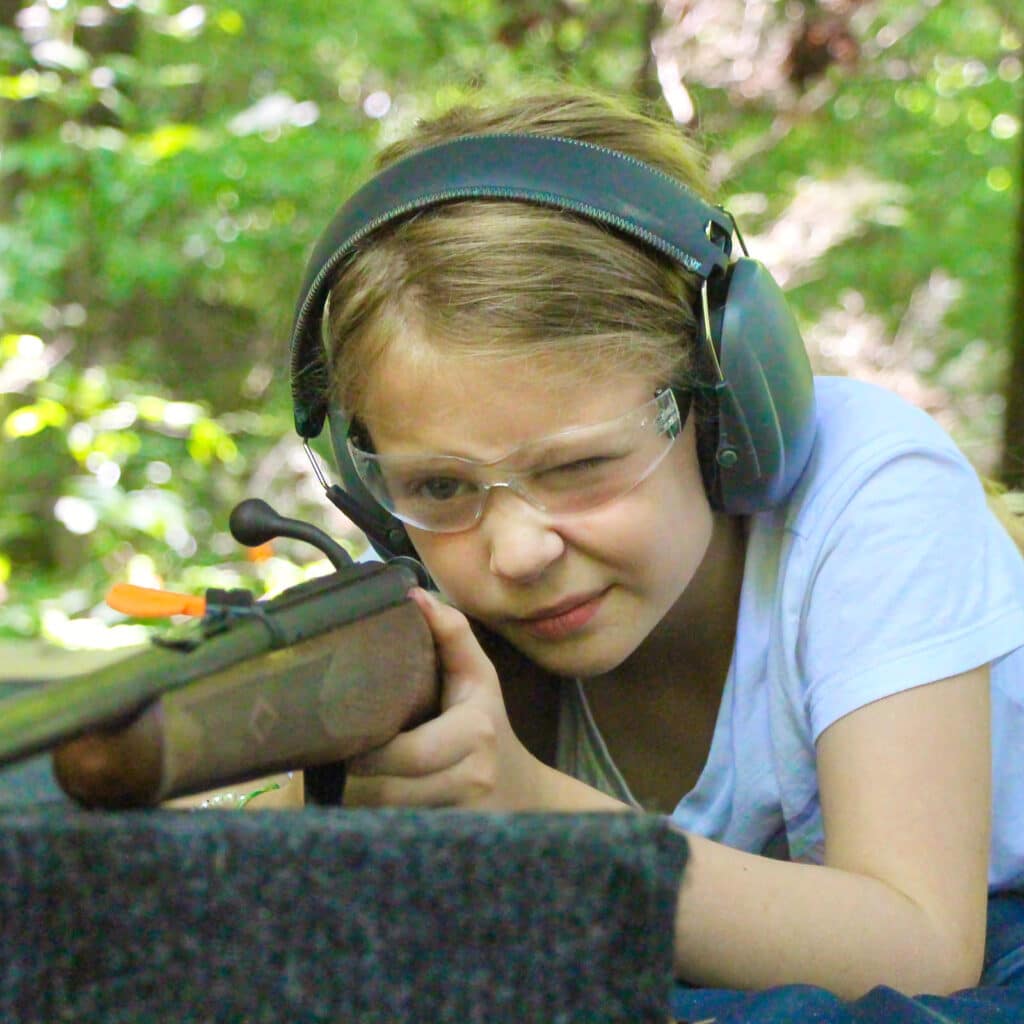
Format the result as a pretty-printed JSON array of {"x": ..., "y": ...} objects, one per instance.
[{"x": 826, "y": 696}]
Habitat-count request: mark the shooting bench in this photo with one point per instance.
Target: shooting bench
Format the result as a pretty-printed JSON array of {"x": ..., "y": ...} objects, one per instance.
[{"x": 328, "y": 914}]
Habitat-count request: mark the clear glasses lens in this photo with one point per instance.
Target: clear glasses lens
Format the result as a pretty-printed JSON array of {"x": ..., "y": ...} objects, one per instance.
[{"x": 569, "y": 472}]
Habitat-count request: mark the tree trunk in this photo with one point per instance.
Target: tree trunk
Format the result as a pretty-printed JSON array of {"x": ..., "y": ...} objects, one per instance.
[
  {"x": 9, "y": 11},
  {"x": 15, "y": 119},
  {"x": 647, "y": 85},
  {"x": 1012, "y": 468}
]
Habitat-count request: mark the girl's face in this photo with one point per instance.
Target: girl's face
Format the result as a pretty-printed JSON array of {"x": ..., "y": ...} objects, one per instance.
[{"x": 579, "y": 593}]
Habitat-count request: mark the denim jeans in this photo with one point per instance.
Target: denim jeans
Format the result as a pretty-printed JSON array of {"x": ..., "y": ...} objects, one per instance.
[{"x": 998, "y": 998}]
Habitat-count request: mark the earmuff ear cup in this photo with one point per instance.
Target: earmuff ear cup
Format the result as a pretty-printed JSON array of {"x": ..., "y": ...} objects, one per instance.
[
  {"x": 765, "y": 416},
  {"x": 385, "y": 533}
]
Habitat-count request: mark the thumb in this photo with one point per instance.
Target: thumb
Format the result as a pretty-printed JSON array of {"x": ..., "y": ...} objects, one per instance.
[{"x": 465, "y": 666}]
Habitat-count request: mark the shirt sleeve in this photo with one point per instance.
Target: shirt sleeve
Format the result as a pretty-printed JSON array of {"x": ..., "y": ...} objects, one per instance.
[{"x": 910, "y": 583}]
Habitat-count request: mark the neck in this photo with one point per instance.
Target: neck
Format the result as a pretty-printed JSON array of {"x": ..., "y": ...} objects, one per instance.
[
  {"x": 700, "y": 629},
  {"x": 657, "y": 711}
]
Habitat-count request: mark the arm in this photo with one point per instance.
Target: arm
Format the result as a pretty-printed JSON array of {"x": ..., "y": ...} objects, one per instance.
[
  {"x": 905, "y": 793},
  {"x": 901, "y": 898},
  {"x": 902, "y": 759}
]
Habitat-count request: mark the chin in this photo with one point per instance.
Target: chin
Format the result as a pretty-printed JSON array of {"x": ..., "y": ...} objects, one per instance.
[{"x": 577, "y": 658}]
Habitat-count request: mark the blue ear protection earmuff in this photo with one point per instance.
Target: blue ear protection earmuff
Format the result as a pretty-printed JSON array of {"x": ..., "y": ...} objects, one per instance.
[{"x": 764, "y": 420}]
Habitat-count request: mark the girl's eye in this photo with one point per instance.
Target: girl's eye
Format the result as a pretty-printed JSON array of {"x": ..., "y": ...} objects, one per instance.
[
  {"x": 583, "y": 474},
  {"x": 580, "y": 467},
  {"x": 439, "y": 488}
]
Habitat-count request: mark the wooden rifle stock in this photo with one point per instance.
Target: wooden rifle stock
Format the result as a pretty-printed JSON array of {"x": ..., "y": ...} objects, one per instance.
[
  {"x": 314, "y": 703},
  {"x": 328, "y": 669}
]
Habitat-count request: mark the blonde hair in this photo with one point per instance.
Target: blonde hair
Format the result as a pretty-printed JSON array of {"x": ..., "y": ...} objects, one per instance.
[{"x": 501, "y": 279}]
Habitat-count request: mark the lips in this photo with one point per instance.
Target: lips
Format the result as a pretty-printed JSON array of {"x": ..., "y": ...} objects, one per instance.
[{"x": 564, "y": 618}]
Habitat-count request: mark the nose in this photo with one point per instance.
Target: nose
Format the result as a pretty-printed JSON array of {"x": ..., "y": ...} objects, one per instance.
[{"x": 520, "y": 537}]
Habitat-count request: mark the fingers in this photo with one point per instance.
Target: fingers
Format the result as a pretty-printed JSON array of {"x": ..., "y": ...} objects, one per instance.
[
  {"x": 430, "y": 747},
  {"x": 446, "y": 761},
  {"x": 456, "y": 786}
]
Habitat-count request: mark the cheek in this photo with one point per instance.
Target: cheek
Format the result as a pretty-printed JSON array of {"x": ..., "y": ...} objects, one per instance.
[
  {"x": 683, "y": 547},
  {"x": 676, "y": 529},
  {"x": 654, "y": 537},
  {"x": 453, "y": 562}
]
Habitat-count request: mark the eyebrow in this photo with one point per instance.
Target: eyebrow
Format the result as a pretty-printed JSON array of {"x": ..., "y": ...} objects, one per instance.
[{"x": 538, "y": 448}]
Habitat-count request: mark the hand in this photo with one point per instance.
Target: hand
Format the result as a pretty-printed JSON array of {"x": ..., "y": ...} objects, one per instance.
[{"x": 468, "y": 756}]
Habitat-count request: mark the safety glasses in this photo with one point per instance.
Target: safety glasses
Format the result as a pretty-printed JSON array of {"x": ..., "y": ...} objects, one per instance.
[{"x": 562, "y": 474}]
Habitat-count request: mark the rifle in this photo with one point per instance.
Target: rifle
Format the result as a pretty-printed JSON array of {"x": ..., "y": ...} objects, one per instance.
[{"x": 323, "y": 672}]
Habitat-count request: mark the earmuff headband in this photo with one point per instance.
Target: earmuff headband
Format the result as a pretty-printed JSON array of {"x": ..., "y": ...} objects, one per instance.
[
  {"x": 754, "y": 444},
  {"x": 597, "y": 183}
]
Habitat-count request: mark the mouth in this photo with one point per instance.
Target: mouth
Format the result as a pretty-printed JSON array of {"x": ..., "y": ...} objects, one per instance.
[{"x": 564, "y": 618}]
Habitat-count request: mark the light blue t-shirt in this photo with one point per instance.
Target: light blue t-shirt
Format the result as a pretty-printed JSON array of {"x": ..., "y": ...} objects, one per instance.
[{"x": 884, "y": 571}]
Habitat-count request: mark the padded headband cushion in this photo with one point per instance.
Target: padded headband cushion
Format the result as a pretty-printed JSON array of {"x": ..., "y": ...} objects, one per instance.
[{"x": 597, "y": 183}]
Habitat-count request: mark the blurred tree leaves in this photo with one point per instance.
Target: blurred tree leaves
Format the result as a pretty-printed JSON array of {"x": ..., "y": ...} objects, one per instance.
[{"x": 165, "y": 167}]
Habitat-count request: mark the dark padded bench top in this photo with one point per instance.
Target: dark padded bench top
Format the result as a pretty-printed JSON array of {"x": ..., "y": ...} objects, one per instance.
[{"x": 332, "y": 915}]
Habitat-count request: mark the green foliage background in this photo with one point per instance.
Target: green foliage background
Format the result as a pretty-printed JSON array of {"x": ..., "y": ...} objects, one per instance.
[{"x": 165, "y": 168}]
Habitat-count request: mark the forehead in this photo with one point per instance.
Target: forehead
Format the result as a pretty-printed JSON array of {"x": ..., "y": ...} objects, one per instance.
[{"x": 423, "y": 400}]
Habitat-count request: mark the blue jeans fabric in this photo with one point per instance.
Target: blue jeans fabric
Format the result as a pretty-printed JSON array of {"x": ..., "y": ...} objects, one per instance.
[{"x": 998, "y": 998}]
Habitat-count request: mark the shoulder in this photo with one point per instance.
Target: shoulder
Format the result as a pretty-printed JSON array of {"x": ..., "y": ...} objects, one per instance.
[
  {"x": 868, "y": 437},
  {"x": 854, "y": 409},
  {"x": 888, "y": 569}
]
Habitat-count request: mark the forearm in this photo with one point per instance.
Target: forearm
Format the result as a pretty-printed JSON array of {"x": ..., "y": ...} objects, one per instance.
[{"x": 749, "y": 922}]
